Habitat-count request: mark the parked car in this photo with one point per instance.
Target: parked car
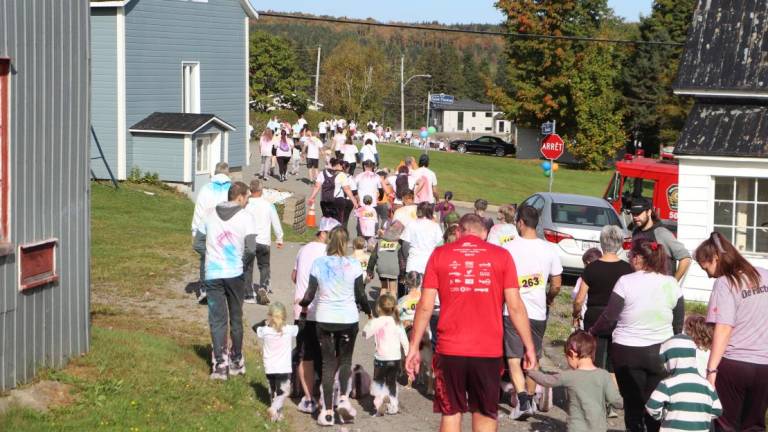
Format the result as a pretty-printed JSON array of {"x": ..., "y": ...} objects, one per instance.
[
  {"x": 573, "y": 224},
  {"x": 484, "y": 144}
]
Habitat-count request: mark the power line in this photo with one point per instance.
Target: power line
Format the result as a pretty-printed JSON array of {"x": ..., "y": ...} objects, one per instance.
[{"x": 474, "y": 32}]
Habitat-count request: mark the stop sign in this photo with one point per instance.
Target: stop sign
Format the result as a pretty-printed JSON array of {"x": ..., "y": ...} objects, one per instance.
[{"x": 552, "y": 146}]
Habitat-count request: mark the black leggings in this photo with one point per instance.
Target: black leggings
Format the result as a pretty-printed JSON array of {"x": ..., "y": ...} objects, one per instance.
[
  {"x": 336, "y": 347},
  {"x": 385, "y": 376},
  {"x": 743, "y": 390},
  {"x": 282, "y": 163},
  {"x": 638, "y": 371}
]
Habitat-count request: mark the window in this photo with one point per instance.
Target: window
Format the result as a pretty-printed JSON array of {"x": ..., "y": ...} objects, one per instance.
[
  {"x": 190, "y": 88},
  {"x": 4, "y": 177},
  {"x": 474, "y": 114},
  {"x": 489, "y": 129},
  {"x": 37, "y": 264},
  {"x": 741, "y": 212},
  {"x": 461, "y": 121},
  {"x": 501, "y": 126},
  {"x": 579, "y": 214},
  {"x": 489, "y": 115},
  {"x": 203, "y": 155}
]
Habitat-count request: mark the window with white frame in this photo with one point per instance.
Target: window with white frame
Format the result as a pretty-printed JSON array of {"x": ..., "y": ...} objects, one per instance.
[
  {"x": 203, "y": 155},
  {"x": 741, "y": 212},
  {"x": 190, "y": 78}
]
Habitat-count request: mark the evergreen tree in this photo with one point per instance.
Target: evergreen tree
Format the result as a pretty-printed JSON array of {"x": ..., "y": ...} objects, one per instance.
[{"x": 654, "y": 114}]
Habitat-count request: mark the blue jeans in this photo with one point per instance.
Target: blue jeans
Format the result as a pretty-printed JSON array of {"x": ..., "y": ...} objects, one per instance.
[{"x": 225, "y": 304}]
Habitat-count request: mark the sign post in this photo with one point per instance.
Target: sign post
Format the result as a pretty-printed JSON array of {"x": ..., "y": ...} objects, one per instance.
[{"x": 552, "y": 147}]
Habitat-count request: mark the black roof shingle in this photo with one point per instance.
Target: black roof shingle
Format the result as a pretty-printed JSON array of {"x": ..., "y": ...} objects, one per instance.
[
  {"x": 714, "y": 128},
  {"x": 181, "y": 123}
]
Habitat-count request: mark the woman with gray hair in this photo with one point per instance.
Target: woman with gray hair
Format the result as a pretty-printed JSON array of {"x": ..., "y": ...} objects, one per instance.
[{"x": 596, "y": 287}]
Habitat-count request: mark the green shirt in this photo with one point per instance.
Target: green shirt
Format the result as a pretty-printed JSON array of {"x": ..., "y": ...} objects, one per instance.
[{"x": 589, "y": 391}]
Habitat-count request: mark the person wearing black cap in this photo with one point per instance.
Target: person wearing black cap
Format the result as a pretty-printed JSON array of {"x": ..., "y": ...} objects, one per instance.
[{"x": 648, "y": 227}]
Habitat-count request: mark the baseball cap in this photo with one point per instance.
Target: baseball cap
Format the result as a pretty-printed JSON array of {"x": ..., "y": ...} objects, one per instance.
[
  {"x": 327, "y": 224},
  {"x": 640, "y": 205}
]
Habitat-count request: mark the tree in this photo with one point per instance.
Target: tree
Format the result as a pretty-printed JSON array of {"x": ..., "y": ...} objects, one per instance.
[
  {"x": 654, "y": 113},
  {"x": 474, "y": 86},
  {"x": 275, "y": 72},
  {"x": 355, "y": 79}
]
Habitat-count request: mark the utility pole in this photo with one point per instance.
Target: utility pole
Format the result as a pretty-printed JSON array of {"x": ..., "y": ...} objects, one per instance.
[
  {"x": 402, "y": 94},
  {"x": 317, "y": 77}
]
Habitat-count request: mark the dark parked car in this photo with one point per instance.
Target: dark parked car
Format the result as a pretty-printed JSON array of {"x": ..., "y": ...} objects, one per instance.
[{"x": 484, "y": 144}]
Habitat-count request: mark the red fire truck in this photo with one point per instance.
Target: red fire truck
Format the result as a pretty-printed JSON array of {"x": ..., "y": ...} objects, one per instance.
[{"x": 655, "y": 179}]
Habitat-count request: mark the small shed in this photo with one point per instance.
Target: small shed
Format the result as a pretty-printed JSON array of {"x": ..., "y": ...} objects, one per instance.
[
  {"x": 180, "y": 147},
  {"x": 723, "y": 148},
  {"x": 44, "y": 186}
]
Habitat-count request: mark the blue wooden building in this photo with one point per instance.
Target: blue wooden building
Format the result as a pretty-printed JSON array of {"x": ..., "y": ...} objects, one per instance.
[
  {"x": 169, "y": 86},
  {"x": 44, "y": 187}
]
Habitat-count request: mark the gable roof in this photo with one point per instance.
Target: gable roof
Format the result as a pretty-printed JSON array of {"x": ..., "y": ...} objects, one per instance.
[
  {"x": 714, "y": 128},
  {"x": 246, "y": 4},
  {"x": 177, "y": 123},
  {"x": 465, "y": 105},
  {"x": 725, "y": 50}
]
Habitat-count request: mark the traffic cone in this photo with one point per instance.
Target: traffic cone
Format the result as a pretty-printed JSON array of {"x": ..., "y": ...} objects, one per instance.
[{"x": 311, "y": 217}]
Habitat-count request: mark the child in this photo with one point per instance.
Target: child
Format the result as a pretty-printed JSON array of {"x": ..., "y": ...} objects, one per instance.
[
  {"x": 389, "y": 336},
  {"x": 386, "y": 259},
  {"x": 451, "y": 234},
  {"x": 481, "y": 206},
  {"x": 684, "y": 400},
  {"x": 276, "y": 348},
  {"x": 361, "y": 253},
  {"x": 592, "y": 254},
  {"x": 445, "y": 206},
  {"x": 697, "y": 327},
  {"x": 589, "y": 388},
  {"x": 367, "y": 218},
  {"x": 406, "y": 305}
]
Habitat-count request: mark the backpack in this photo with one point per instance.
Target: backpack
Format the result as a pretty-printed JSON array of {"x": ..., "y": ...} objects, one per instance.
[
  {"x": 401, "y": 186},
  {"x": 329, "y": 186}
]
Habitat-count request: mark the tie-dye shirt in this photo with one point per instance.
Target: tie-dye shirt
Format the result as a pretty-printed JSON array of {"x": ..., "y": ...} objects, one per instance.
[
  {"x": 335, "y": 298},
  {"x": 225, "y": 242}
]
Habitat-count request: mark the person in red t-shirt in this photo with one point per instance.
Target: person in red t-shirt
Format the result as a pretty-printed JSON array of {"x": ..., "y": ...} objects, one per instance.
[{"x": 473, "y": 279}]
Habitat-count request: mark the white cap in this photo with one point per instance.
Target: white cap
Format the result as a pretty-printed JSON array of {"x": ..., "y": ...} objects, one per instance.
[{"x": 327, "y": 224}]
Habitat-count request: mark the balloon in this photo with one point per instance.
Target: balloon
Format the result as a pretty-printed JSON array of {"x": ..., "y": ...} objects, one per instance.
[
  {"x": 432, "y": 130},
  {"x": 423, "y": 128},
  {"x": 555, "y": 166},
  {"x": 547, "y": 173},
  {"x": 546, "y": 166},
  {"x": 424, "y": 134}
]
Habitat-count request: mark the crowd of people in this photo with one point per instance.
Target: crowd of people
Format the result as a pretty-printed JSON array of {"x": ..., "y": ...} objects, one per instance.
[{"x": 464, "y": 302}]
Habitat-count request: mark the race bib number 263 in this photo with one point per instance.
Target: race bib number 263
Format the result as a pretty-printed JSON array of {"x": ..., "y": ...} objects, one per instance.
[{"x": 530, "y": 282}]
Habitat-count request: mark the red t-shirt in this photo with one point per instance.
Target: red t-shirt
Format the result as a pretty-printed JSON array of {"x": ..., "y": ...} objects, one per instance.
[{"x": 470, "y": 276}]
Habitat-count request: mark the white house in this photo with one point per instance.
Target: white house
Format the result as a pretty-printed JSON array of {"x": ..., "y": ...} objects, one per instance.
[
  {"x": 723, "y": 148},
  {"x": 464, "y": 115}
]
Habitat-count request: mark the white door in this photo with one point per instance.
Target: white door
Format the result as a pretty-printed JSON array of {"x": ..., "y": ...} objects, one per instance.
[{"x": 207, "y": 155}]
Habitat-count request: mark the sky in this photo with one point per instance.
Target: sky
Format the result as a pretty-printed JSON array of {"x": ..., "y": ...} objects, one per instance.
[{"x": 444, "y": 11}]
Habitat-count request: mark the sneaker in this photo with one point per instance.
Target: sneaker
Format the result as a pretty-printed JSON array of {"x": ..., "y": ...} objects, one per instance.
[
  {"x": 393, "y": 407},
  {"x": 384, "y": 407},
  {"x": 307, "y": 406},
  {"x": 261, "y": 297},
  {"x": 347, "y": 413},
  {"x": 219, "y": 372},
  {"x": 523, "y": 410},
  {"x": 237, "y": 367},
  {"x": 274, "y": 415},
  {"x": 325, "y": 418},
  {"x": 250, "y": 296}
]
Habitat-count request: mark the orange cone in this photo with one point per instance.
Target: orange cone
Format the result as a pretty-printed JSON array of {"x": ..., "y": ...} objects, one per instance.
[{"x": 311, "y": 217}]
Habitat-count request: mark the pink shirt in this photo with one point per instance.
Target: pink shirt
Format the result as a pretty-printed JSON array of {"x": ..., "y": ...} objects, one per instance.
[{"x": 366, "y": 219}]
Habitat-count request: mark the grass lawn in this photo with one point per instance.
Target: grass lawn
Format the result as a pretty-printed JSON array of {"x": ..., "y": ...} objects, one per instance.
[
  {"x": 498, "y": 180},
  {"x": 144, "y": 373}
]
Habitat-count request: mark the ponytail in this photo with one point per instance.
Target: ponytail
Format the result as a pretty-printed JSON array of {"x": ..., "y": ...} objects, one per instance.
[
  {"x": 276, "y": 313},
  {"x": 653, "y": 254}
]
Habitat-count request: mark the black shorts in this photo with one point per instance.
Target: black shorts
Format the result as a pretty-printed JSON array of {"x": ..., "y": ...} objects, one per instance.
[
  {"x": 313, "y": 163},
  {"x": 467, "y": 384},
  {"x": 513, "y": 345},
  {"x": 307, "y": 343}
]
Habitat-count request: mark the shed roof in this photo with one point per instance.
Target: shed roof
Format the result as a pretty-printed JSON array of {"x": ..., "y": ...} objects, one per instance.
[
  {"x": 465, "y": 105},
  {"x": 718, "y": 129},
  {"x": 246, "y": 4},
  {"x": 725, "y": 50},
  {"x": 177, "y": 123}
]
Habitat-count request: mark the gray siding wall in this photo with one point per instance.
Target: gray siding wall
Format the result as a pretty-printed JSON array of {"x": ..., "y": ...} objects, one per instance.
[
  {"x": 104, "y": 88},
  {"x": 162, "y": 154},
  {"x": 47, "y": 42},
  {"x": 160, "y": 35}
]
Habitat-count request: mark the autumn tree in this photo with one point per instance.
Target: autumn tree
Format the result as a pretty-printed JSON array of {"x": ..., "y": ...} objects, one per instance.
[
  {"x": 275, "y": 71},
  {"x": 355, "y": 77}
]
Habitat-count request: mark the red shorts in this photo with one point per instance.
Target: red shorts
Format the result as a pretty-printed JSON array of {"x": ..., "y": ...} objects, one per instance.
[{"x": 467, "y": 384}]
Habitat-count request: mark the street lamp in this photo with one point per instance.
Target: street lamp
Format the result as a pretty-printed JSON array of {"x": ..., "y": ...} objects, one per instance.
[{"x": 402, "y": 90}]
